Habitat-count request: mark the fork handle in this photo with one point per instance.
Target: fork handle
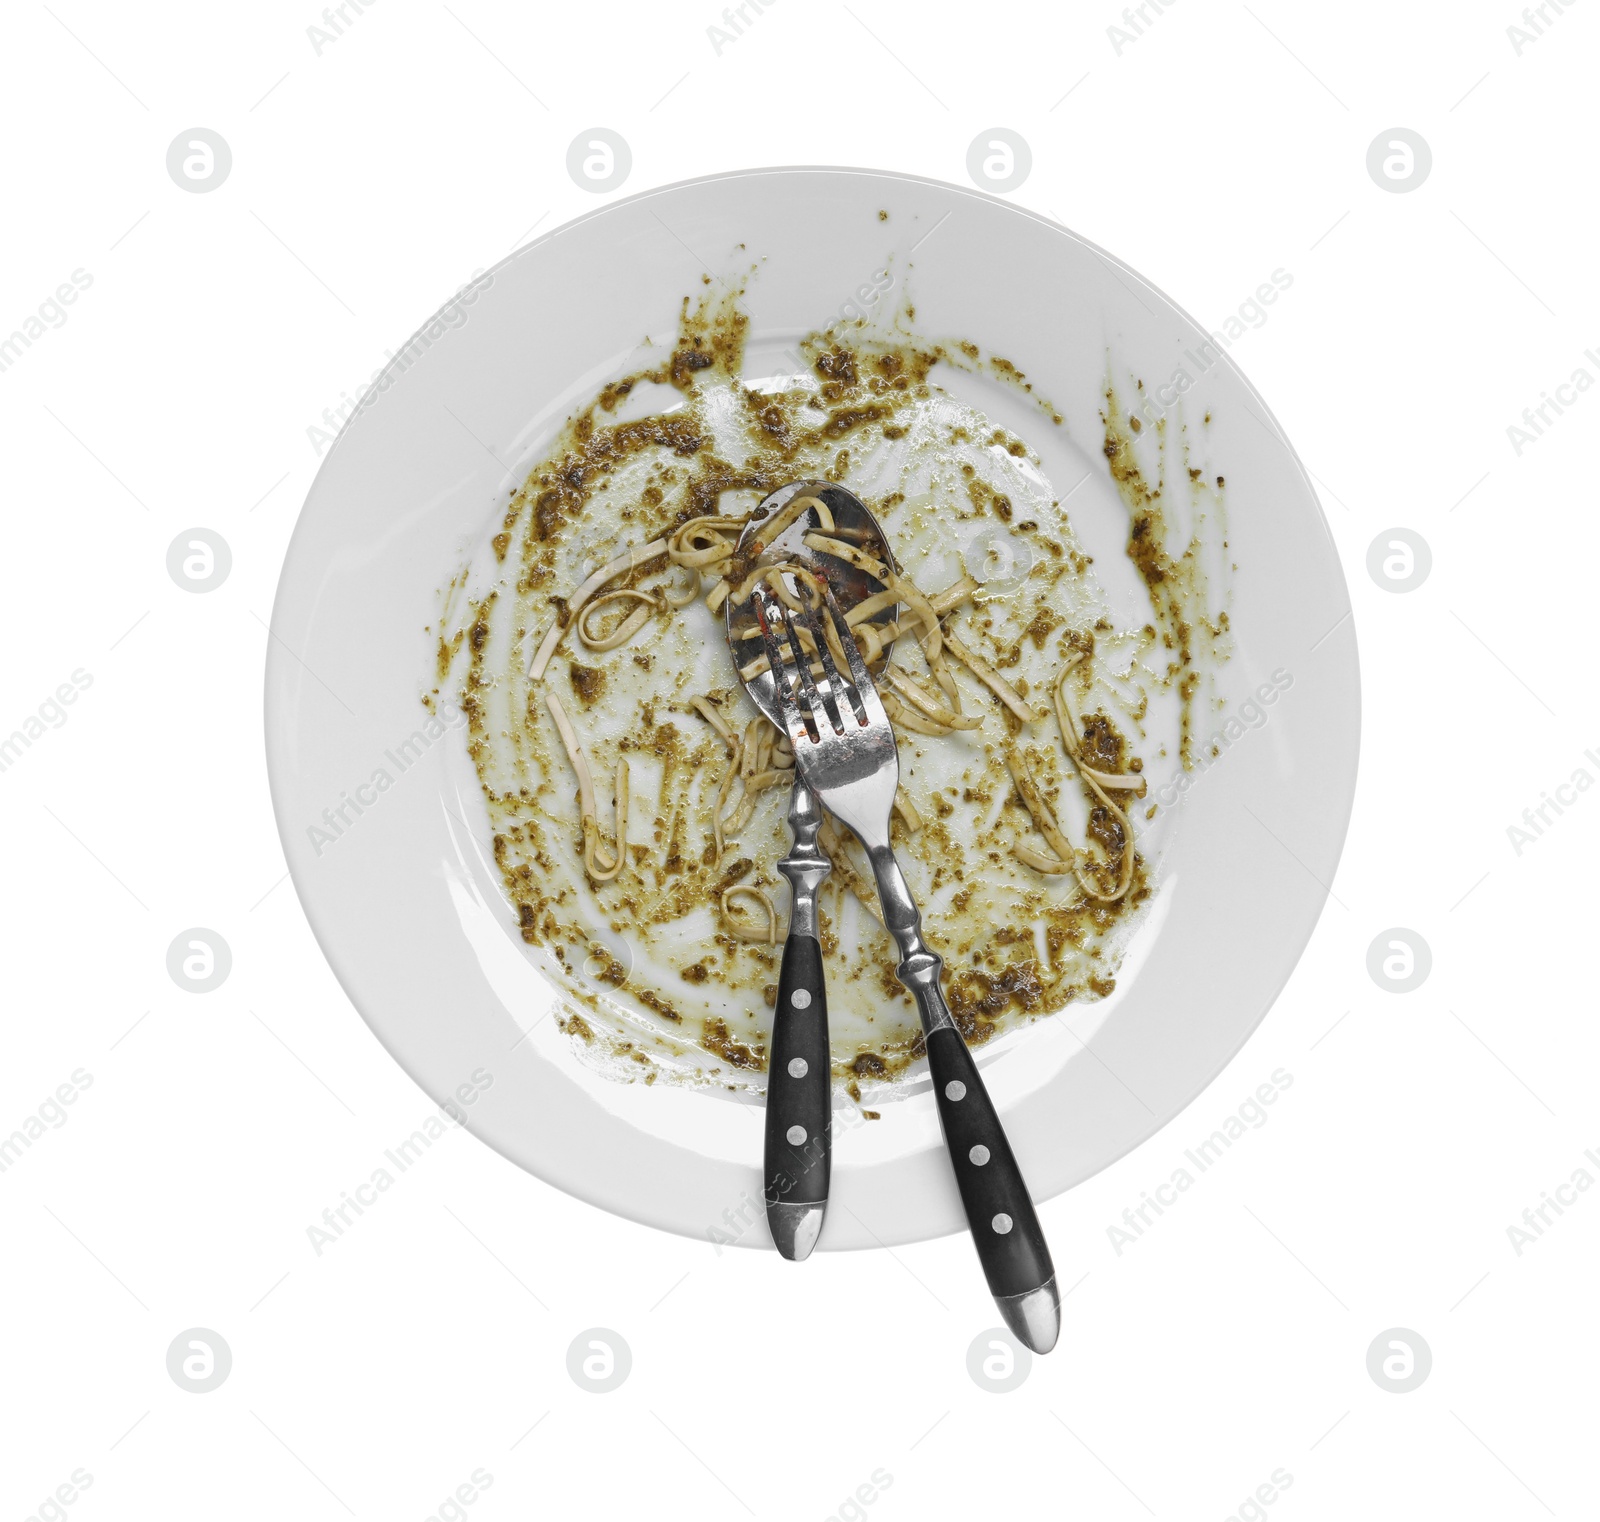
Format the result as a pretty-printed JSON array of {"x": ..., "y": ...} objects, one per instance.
[
  {"x": 799, "y": 1139},
  {"x": 1000, "y": 1215}
]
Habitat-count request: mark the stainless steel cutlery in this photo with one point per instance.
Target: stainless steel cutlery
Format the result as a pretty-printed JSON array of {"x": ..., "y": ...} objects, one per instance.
[{"x": 846, "y": 761}]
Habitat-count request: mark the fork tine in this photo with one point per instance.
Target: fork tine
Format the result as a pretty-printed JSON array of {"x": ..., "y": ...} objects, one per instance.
[
  {"x": 808, "y": 616},
  {"x": 869, "y": 708},
  {"x": 862, "y": 687},
  {"x": 808, "y": 685},
  {"x": 792, "y": 721}
]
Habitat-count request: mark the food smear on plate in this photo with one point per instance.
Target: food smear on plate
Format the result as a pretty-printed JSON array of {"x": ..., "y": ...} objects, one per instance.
[{"x": 637, "y": 800}]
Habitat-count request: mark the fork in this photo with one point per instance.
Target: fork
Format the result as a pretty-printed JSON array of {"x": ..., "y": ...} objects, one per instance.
[{"x": 845, "y": 750}]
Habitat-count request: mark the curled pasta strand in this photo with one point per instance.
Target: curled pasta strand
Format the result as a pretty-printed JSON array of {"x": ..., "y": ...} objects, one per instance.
[
  {"x": 787, "y": 514},
  {"x": 1022, "y": 775},
  {"x": 1072, "y": 727},
  {"x": 756, "y": 784},
  {"x": 629, "y": 560},
  {"x": 626, "y": 628},
  {"x": 718, "y": 809},
  {"x": 1100, "y": 786},
  {"x": 736, "y": 923},
  {"x": 704, "y": 541},
  {"x": 599, "y": 869},
  {"x": 688, "y": 595},
  {"x": 600, "y": 872}
]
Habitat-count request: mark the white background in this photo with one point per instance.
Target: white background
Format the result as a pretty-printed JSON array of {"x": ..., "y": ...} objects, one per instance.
[{"x": 1230, "y": 1341}]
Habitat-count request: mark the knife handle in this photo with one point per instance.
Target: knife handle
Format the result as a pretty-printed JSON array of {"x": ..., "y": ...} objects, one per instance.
[
  {"x": 1005, "y": 1227},
  {"x": 799, "y": 1081},
  {"x": 799, "y": 1126}
]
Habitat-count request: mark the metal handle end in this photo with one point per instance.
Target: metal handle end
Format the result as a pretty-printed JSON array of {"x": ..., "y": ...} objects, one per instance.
[
  {"x": 1034, "y": 1317},
  {"x": 795, "y": 1228}
]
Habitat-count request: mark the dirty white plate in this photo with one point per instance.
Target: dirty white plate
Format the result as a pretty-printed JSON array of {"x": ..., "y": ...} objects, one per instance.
[{"x": 386, "y": 835}]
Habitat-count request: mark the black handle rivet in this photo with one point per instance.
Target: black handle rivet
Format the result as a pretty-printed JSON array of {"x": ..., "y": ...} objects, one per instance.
[
  {"x": 955, "y": 1090},
  {"x": 801, "y": 998},
  {"x": 1001, "y": 1223},
  {"x": 797, "y": 1138},
  {"x": 979, "y": 1156},
  {"x": 798, "y": 1067}
]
